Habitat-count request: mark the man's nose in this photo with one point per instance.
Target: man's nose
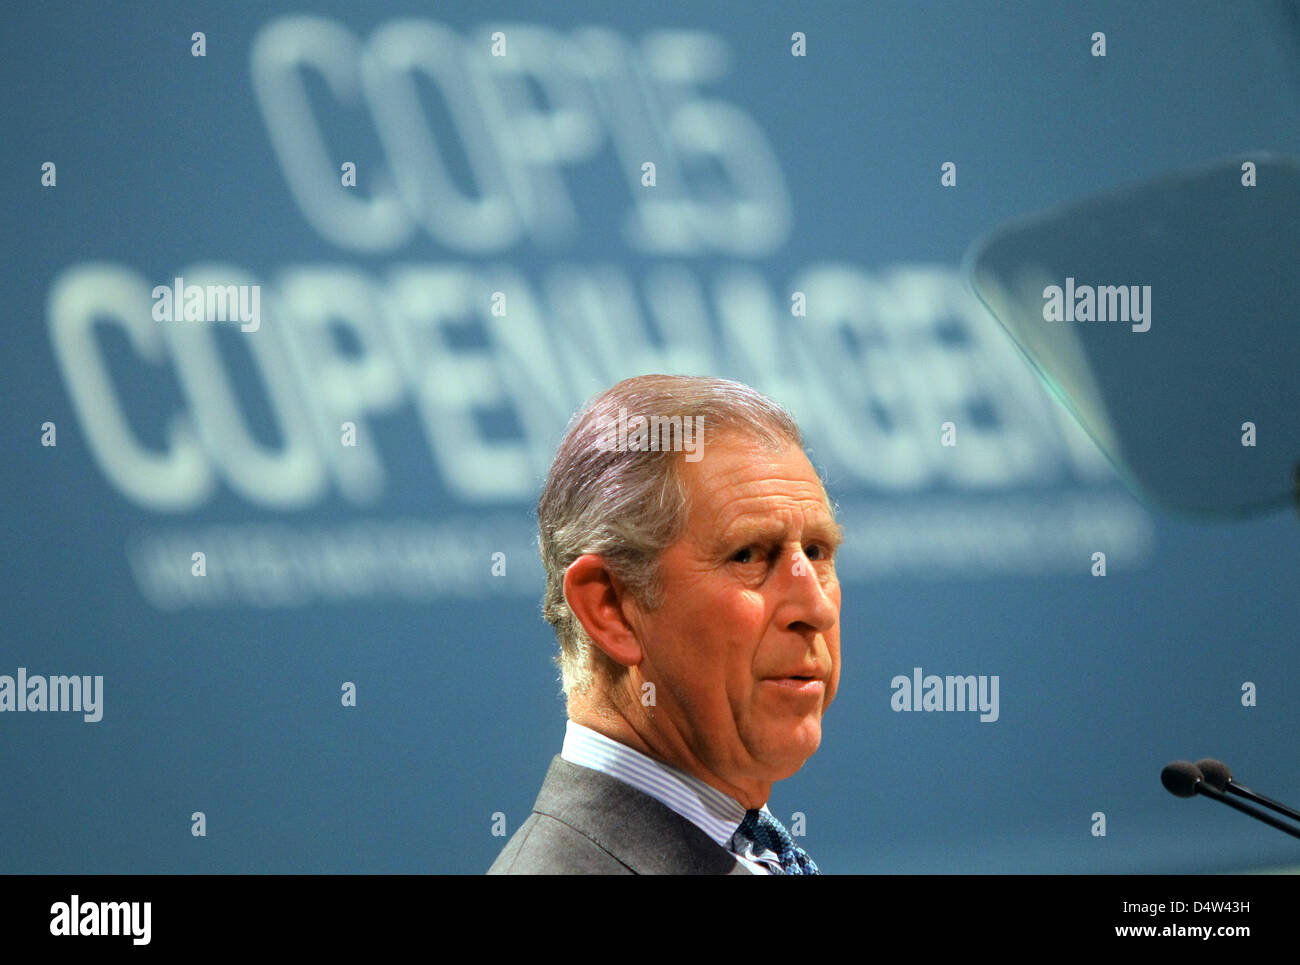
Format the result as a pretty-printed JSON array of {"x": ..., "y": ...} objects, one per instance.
[{"x": 806, "y": 599}]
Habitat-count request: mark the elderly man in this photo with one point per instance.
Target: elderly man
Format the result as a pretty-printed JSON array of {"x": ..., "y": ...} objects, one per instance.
[{"x": 690, "y": 555}]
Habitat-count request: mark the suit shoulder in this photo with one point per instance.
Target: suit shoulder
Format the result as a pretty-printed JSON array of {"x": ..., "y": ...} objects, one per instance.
[{"x": 544, "y": 845}]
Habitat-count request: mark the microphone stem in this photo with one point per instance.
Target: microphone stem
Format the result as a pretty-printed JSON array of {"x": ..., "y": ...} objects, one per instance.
[
  {"x": 1203, "y": 788},
  {"x": 1258, "y": 798}
]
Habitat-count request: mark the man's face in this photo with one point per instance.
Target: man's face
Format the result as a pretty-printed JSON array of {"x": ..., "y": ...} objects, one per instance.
[{"x": 744, "y": 650}]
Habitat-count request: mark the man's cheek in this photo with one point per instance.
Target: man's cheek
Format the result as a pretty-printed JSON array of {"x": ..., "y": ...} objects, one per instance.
[{"x": 834, "y": 687}]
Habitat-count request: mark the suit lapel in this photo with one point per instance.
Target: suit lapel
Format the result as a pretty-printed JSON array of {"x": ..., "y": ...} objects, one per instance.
[{"x": 645, "y": 835}]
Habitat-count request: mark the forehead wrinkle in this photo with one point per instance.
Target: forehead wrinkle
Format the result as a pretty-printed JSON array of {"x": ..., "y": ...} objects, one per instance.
[{"x": 716, "y": 509}]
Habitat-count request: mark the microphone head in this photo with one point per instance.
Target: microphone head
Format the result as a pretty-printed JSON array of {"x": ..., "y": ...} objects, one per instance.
[
  {"x": 1216, "y": 773},
  {"x": 1181, "y": 777}
]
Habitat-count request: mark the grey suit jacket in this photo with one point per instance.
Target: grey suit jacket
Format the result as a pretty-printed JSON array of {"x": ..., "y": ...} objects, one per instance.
[{"x": 586, "y": 822}]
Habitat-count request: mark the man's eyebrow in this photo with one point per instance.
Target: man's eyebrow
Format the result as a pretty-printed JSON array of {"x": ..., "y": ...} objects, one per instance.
[
  {"x": 824, "y": 528},
  {"x": 834, "y": 533},
  {"x": 827, "y": 530}
]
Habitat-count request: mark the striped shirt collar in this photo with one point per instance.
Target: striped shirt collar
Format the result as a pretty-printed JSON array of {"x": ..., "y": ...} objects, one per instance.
[{"x": 716, "y": 814}]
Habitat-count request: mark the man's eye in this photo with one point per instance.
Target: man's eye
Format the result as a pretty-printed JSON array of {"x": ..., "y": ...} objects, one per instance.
[{"x": 747, "y": 555}]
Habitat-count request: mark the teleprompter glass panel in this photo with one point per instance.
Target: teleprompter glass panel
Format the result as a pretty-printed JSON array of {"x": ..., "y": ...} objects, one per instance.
[{"x": 1166, "y": 318}]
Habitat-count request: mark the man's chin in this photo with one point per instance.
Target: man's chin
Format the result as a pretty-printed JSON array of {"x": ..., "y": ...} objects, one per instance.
[{"x": 786, "y": 757}]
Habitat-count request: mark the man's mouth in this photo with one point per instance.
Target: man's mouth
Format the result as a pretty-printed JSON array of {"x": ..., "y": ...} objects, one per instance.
[{"x": 800, "y": 685}]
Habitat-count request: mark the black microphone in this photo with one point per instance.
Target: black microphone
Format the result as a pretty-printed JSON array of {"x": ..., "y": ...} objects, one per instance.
[
  {"x": 1218, "y": 776},
  {"x": 1184, "y": 779}
]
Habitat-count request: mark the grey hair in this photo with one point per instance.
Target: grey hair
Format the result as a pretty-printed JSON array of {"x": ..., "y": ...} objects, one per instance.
[{"x": 628, "y": 506}]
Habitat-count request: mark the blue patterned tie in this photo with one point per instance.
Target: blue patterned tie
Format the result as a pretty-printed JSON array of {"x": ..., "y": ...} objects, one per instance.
[{"x": 768, "y": 834}]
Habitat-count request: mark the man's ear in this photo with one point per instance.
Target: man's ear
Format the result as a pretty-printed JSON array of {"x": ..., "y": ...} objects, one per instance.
[{"x": 599, "y": 600}]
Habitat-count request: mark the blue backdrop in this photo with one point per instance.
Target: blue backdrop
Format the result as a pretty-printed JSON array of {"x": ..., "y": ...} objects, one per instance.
[{"x": 448, "y": 217}]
